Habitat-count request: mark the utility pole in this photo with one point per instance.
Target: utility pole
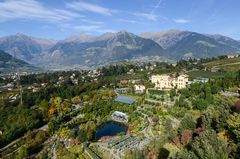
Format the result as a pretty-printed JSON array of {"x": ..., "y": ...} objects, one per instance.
[{"x": 21, "y": 91}]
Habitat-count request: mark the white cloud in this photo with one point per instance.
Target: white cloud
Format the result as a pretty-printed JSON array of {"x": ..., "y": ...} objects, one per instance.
[
  {"x": 88, "y": 21},
  {"x": 84, "y": 6},
  {"x": 147, "y": 16},
  {"x": 181, "y": 21},
  {"x": 33, "y": 10},
  {"x": 157, "y": 6},
  {"x": 127, "y": 21},
  {"x": 86, "y": 28}
]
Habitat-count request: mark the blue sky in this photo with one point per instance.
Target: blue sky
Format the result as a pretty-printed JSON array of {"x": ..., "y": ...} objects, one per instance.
[{"x": 58, "y": 19}]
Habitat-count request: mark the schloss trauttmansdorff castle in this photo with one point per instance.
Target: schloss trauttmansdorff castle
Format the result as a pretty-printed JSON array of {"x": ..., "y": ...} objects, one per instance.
[{"x": 168, "y": 82}]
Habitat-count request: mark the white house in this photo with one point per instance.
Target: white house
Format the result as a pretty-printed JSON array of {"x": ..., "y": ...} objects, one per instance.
[
  {"x": 232, "y": 56},
  {"x": 139, "y": 88}
]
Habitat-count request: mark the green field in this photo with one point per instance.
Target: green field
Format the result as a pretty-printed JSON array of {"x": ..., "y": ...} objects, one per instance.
[{"x": 205, "y": 74}]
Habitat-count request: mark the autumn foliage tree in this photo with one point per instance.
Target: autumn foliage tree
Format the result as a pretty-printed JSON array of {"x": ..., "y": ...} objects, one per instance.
[
  {"x": 186, "y": 137},
  {"x": 236, "y": 107}
]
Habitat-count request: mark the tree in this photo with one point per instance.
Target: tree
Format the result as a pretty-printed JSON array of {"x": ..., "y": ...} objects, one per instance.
[
  {"x": 86, "y": 97},
  {"x": 22, "y": 153},
  {"x": 89, "y": 128},
  {"x": 200, "y": 104},
  {"x": 169, "y": 130},
  {"x": 52, "y": 111},
  {"x": 65, "y": 133},
  {"x": 187, "y": 122},
  {"x": 186, "y": 136},
  {"x": 44, "y": 108},
  {"x": 234, "y": 125},
  {"x": 65, "y": 106},
  {"x": 208, "y": 94},
  {"x": 182, "y": 102},
  {"x": 205, "y": 146},
  {"x": 205, "y": 120},
  {"x": 236, "y": 107},
  {"x": 57, "y": 103},
  {"x": 173, "y": 94},
  {"x": 76, "y": 100}
]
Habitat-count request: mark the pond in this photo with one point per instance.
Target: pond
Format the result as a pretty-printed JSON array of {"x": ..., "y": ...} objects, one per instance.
[{"x": 111, "y": 128}]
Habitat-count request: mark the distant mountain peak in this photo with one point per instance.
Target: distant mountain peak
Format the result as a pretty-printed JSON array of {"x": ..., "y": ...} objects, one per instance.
[
  {"x": 24, "y": 47},
  {"x": 111, "y": 35},
  {"x": 82, "y": 37},
  {"x": 123, "y": 32},
  {"x": 20, "y": 34},
  {"x": 172, "y": 31},
  {"x": 105, "y": 36},
  {"x": 166, "y": 39}
]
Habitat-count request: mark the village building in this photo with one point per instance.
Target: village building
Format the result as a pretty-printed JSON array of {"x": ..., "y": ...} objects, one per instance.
[
  {"x": 201, "y": 80},
  {"x": 139, "y": 88},
  {"x": 232, "y": 56},
  {"x": 131, "y": 71},
  {"x": 137, "y": 81},
  {"x": 198, "y": 80},
  {"x": 75, "y": 81},
  {"x": 34, "y": 90},
  {"x": 124, "y": 82},
  {"x": 168, "y": 82},
  {"x": 60, "y": 78},
  {"x": 122, "y": 90},
  {"x": 151, "y": 68},
  {"x": 174, "y": 64},
  {"x": 44, "y": 85},
  {"x": 72, "y": 76}
]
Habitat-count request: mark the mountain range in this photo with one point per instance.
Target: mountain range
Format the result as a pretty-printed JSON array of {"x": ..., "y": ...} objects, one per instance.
[
  {"x": 90, "y": 51},
  {"x": 180, "y": 44}
]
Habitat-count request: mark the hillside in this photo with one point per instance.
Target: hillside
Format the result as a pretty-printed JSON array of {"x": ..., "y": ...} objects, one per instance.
[
  {"x": 9, "y": 63},
  {"x": 225, "y": 64},
  {"x": 25, "y": 47}
]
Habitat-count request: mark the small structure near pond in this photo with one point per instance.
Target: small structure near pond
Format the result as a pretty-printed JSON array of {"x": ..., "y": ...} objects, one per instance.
[{"x": 119, "y": 116}]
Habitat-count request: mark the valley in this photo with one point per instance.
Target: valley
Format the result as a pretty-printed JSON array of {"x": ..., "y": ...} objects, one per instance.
[{"x": 86, "y": 51}]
